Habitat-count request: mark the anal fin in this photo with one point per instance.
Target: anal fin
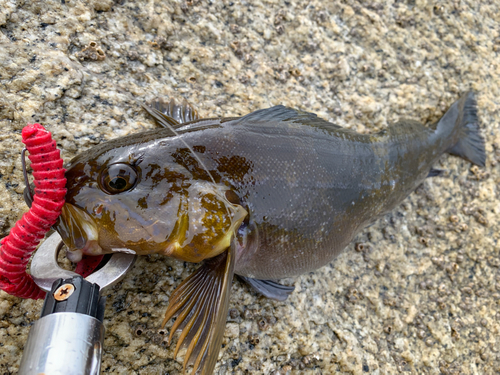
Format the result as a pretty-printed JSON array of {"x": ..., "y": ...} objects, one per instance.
[
  {"x": 268, "y": 288},
  {"x": 201, "y": 303}
]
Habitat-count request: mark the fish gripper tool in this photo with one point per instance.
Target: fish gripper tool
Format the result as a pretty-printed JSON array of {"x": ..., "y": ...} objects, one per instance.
[{"x": 69, "y": 336}]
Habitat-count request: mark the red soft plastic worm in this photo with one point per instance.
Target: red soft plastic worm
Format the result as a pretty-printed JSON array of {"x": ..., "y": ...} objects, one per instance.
[
  {"x": 88, "y": 264},
  {"x": 48, "y": 200}
]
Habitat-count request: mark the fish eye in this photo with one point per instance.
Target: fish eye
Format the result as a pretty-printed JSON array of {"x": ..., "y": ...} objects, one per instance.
[{"x": 117, "y": 178}]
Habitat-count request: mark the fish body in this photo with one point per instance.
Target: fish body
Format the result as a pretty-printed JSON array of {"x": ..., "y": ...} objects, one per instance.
[{"x": 272, "y": 194}]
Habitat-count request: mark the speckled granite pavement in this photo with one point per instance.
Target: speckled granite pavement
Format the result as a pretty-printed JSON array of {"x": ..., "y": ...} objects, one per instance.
[{"x": 421, "y": 295}]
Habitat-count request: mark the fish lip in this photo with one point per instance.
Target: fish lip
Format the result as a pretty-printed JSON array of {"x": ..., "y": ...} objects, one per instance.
[{"x": 79, "y": 232}]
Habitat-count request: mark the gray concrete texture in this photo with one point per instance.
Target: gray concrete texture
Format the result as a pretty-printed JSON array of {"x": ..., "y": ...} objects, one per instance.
[{"x": 419, "y": 295}]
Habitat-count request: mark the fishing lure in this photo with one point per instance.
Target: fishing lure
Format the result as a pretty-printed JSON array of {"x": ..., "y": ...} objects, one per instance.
[{"x": 46, "y": 207}]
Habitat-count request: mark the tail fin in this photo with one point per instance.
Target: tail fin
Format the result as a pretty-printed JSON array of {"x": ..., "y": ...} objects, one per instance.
[{"x": 470, "y": 145}]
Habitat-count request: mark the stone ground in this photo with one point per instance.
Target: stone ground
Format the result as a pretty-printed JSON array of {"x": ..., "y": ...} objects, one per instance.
[{"x": 421, "y": 296}]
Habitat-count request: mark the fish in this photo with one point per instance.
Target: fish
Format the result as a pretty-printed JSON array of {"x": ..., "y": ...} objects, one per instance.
[{"x": 273, "y": 194}]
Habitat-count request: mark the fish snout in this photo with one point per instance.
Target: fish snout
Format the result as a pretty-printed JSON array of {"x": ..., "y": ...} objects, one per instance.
[{"x": 79, "y": 233}]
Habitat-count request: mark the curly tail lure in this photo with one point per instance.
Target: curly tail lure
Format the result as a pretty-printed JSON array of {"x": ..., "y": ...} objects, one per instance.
[{"x": 48, "y": 200}]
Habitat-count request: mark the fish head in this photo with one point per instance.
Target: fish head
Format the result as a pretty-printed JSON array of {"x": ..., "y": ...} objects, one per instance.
[{"x": 132, "y": 199}]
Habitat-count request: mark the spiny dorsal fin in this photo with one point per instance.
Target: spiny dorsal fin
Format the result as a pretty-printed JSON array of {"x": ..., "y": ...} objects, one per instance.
[
  {"x": 171, "y": 112},
  {"x": 200, "y": 304}
]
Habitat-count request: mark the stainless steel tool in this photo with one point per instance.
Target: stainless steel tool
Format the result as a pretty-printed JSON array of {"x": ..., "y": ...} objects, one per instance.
[{"x": 68, "y": 338}]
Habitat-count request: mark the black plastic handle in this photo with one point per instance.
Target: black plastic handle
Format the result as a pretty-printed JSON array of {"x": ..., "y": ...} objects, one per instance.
[{"x": 74, "y": 295}]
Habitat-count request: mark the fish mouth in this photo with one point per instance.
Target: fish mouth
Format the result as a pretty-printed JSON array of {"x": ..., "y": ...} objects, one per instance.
[{"x": 79, "y": 233}]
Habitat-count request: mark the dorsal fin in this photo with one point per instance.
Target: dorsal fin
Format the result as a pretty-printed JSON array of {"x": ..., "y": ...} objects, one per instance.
[
  {"x": 281, "y": 113},
  {"x": 171, "y": 112}
]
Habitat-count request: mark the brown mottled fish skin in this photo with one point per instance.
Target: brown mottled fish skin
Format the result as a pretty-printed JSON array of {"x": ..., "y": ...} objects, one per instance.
[{"x": 307, "y": 185}]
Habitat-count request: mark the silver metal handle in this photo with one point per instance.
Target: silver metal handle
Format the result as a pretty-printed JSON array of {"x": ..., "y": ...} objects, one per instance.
[{"x": 64, "y": 344}]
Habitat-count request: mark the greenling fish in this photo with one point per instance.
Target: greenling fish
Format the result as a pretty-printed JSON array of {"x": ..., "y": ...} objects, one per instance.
[{"x": 276, "y": 193}]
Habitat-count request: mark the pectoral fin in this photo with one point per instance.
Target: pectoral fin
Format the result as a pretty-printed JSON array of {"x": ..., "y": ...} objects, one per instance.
[
  {"x": 200, "y": 305},
  {"x": 171, "y": 113}
]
